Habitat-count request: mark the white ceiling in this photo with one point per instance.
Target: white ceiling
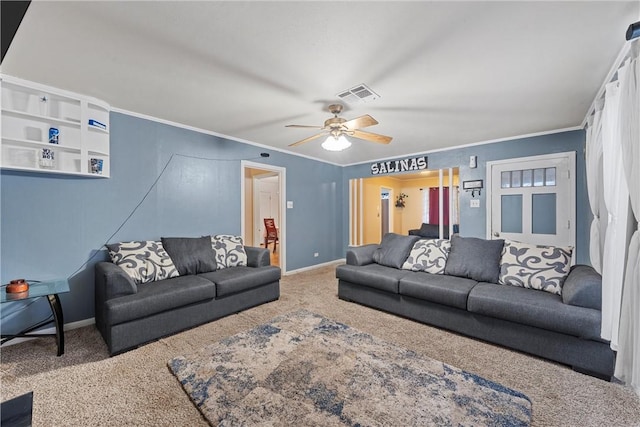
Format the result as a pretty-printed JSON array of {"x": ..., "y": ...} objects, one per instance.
[{"x": 448, "y": 73}]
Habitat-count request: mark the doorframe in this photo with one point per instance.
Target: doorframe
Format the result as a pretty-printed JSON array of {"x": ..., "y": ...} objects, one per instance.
[
  {"x": 571, "y": 155},
  {"x": 282, "y": 178}
]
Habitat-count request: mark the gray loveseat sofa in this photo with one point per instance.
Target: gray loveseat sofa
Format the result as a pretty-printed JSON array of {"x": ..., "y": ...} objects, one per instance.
[
  {"x": 466, "y": 297},
  {"x": 191, "y": 287}
]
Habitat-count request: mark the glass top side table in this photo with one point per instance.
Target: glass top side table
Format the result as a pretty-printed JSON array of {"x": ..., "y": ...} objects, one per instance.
[{"x": 49, "y": 289}]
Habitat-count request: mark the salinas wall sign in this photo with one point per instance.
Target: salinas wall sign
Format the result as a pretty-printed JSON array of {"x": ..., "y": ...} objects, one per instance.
[{"x": 404, "y": 165}]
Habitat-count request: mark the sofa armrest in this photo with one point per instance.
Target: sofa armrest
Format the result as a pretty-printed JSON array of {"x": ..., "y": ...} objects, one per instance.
[
  {"x": 361, "y": 255},
  {"x": 112, "y": 282},
  {"x": 583, "y": 287},
  {"x": 257, "y": 257}
]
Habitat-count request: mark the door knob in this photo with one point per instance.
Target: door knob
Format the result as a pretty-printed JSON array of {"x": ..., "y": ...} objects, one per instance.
[{"x": 496, "y": 234}]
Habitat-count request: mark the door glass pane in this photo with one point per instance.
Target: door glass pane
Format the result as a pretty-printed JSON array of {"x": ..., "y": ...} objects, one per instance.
[
  {"x": 516, "y": 179},
  {"x": 527, "y": 178},
  {"x": 505, "y": 179},
  {"x": 538, "y": 177},
  {"x": 543, "y": 213},
  {"x": 511, "y": 213},
  {"x": 550, "y": 176}
]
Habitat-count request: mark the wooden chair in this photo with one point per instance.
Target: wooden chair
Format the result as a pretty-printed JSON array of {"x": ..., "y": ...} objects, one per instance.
[{"x": 271, "y": 234}]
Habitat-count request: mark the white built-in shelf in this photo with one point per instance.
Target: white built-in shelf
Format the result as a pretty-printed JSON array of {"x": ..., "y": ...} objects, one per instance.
[
  {"x": 30, "y": 110},
  {"x": 38, "y": 144}
]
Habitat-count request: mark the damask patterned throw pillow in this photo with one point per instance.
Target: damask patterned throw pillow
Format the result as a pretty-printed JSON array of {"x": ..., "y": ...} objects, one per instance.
[
  {"x": 229, "y": 251},
  {"x": 143, "y": 261},
  {"x": 428, "y": 255},
  {"x": 535, "y": 267}
]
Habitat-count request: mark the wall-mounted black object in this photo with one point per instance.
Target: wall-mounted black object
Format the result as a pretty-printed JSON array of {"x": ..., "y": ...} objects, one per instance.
[
  {"x": 633, "y": 31},
  {"x": 12, "y": 13},
  {"x": 264, "y": 154},
  {"x": 473, "y": 186}
]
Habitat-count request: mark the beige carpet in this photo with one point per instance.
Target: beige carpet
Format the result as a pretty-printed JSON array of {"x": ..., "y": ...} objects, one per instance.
[{"x": 87, "y": 388}]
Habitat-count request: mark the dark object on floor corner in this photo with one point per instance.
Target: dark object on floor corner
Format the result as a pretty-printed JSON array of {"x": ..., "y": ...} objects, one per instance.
[{"x": 17, "y": 412}]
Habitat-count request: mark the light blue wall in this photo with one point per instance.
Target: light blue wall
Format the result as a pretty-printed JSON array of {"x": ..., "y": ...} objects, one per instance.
[
  {"x": 473, "y": 220},
  {"x": 51, "y": 224}
]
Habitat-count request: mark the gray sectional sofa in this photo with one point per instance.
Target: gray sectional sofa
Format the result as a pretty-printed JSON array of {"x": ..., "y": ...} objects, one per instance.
[
  {"x": 194, "y": 288},
  {"x": 466, "y": 297}
]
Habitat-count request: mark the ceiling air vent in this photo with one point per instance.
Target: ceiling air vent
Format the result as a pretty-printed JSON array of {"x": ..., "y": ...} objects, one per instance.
[{"x": 358, "y": 95}]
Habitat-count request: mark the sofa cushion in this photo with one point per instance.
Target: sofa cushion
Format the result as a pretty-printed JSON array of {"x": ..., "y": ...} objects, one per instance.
[
  {"x": 372, "y": 275},
  {"x": 191, "y": 255},
  {"x": 158, "y": 297},
  {"x": 534, "y": 267},
  {"x": 448, "y": 290},
  {"x": 534, "y": 308},
  {"x": 394, "y": 250},
  {"x": 474, "y": 258},
  {"x": 143, "y": 261},
  {"x": 229, "y": 251},
  {"x": 583, "y": 287},
  {"x": 428, "y": 255},
  {"x": 232, "y": 280}
]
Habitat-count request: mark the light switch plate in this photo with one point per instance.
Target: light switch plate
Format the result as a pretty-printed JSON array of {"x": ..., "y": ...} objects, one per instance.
[
  {"x": 473, "y": 162},
  {"x": 289, "y": 204}
]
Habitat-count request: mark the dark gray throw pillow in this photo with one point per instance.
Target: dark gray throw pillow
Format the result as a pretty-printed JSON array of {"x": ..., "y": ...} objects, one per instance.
[
  {"x": 191, "y": 255},
  {"x": 474, "y": 258},
  {"x": 394, "y": 250}
]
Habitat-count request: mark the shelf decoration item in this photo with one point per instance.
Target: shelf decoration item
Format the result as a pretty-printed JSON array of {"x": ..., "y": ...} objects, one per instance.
[
  {"x": 54, "y": 135},
  {"x": 47, "y": 158},
  {"x": 95, "y": 166},
  {"x": 400, "y": 203},
  {"x": 97, "y": 124}
]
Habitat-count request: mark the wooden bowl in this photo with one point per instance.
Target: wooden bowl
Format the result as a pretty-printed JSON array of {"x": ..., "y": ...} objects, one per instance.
[{"x": 17, "y": 286}]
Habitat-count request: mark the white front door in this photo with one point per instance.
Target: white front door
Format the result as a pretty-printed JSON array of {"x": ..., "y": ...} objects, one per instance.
[{"x": 532, "y": 199}]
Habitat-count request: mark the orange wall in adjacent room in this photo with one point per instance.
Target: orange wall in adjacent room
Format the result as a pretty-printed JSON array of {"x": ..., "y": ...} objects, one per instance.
[{"x": 404, "y": 219}]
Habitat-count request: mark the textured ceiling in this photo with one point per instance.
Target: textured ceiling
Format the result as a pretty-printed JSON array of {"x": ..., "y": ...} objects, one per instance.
[{"x": 448, "y": 73}]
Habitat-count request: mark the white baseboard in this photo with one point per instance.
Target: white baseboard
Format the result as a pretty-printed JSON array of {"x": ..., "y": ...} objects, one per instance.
[
  {"x": 52, "y": 330},
  {"x": 313, "y": 267}
]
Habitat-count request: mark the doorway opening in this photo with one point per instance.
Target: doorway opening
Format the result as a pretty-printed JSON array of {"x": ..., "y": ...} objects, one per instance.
[
  {"x": 431, "y": 197},
  {"x": 386, "y": 220},
  {"x": 263, "y": 196}
]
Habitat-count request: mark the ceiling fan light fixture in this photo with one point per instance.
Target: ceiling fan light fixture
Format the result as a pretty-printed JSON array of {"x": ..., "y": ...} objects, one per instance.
[{"x": 336, "y": 144}]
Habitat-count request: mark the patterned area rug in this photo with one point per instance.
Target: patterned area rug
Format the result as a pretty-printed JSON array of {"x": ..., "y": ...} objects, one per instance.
[{"x": 303, "y": 369}]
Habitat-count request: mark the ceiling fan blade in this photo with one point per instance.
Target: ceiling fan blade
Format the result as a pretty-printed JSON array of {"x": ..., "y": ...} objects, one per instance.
[
  {"x": 311, "y": 138},
  {"x": 303, "y": 126},
  {"x": 373, "y": 137},
  {"x": 360, "y": 122}
]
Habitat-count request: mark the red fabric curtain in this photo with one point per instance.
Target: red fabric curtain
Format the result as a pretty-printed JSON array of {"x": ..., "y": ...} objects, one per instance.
[{"x": 434, "y": 205}]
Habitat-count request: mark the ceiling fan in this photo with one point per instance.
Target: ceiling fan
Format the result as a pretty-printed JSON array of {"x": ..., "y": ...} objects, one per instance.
[{"x": 337, "y": 128}]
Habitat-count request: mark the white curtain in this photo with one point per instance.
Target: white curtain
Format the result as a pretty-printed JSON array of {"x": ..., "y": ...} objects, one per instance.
[
  {"x": 628, "y": 357},
  {"x": 616, "y": 198},
  {"x": 594, "y": 186}
]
